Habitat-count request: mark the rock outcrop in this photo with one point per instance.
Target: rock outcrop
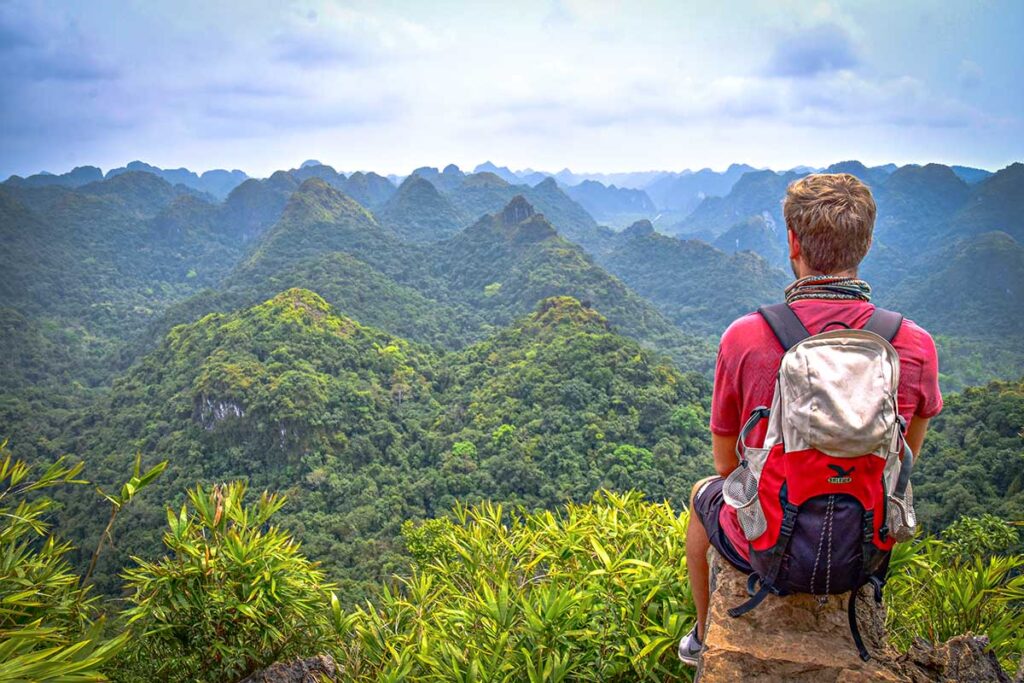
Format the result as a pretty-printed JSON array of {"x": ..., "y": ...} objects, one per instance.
[
  {"x": 310, "y": 670},
  {"x": 797, "y": 639},
  {"x": 962, "y": 658},
  {"x": 517, "y": 210}
]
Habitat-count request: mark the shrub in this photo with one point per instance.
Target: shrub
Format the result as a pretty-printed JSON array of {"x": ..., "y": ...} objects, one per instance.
[
  {"x": 940, "y": 588},
  {"x": 47, "y": 627},
  {"x": 233, "y": 594},
  {"x": 595, "y": 592}
]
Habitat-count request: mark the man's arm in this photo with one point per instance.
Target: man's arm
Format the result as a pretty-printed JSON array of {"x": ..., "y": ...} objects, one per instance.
[
  {"x": 914, "y": 436},
  {"x": 724, "y": 450}
]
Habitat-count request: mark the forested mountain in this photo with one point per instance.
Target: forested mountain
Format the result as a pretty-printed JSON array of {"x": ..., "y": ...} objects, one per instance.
[
  {"x": 610, "y": 204},
  {"x": 369, "y": 189},
  {"x": 255, "y": 205},
  {"x": 217, "y": 182},
  {"x": 915, "y": 204},
  {"x": 505, "y": 261},
  {"x": 995, "y": 203},
  {"x": 450, "y": 293},
  {"x": 365, "y": 429},
  {"x": 477, "y": 194},
  {"x": 80, "y": 175},
  {"x": 696, "y": 286},
  {"x": 755, "y": 193},
  {"x": 759, "y": 234},
  {"x": 981, "y": 281},
  {"x": 685, "y": 192},
  {"x": 98, "y": 262},
  {"x": 417, "y": 212},
  {"x": 971, "y": 175}
]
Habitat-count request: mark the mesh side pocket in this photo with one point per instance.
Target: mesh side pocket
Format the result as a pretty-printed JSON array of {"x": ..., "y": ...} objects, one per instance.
[
  {"x": 901, "y": 518},
  {"x": 752, "y": 520},
  {"x": 740, "y": 492}
]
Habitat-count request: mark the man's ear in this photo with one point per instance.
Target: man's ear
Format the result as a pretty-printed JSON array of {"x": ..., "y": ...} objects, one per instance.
[{"x": 794, "y": 245}]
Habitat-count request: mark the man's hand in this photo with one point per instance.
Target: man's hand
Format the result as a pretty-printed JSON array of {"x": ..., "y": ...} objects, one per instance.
[{"x": 724, "y": 450}]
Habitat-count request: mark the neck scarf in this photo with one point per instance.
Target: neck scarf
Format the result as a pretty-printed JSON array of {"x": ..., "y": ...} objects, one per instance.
[{"x": 828, "y": 287}]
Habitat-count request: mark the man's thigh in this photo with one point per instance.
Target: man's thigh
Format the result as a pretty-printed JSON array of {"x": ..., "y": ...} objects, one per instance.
[{"x": 706, "y": 508}]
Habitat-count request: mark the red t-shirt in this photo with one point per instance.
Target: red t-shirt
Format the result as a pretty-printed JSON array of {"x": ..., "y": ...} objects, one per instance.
[{"x": 748, "y": 362}]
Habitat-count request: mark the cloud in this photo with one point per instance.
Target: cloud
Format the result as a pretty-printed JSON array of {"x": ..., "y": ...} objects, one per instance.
[
  {"x": 317, "y": 50},
  {"x": 812, "y": 51},
  {"x": 341, "y": 36},
  {"x": 36, "y": 46},
  {"x": 827, "y": 100}
]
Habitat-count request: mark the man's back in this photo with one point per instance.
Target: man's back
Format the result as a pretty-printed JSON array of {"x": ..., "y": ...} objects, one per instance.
[{"x": 749, "y": 357}]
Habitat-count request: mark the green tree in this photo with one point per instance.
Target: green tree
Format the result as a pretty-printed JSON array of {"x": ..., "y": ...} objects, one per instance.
[{"x": 233, "y": 594}]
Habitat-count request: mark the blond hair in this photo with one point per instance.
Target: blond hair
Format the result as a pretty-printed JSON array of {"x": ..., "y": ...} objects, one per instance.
[{"x": 833, "y": 216}]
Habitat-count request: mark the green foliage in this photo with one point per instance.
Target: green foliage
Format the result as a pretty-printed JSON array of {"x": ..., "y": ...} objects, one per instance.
[
  {"x": 365, "y": 430},
  {"x": 138, "y": 481},
  {"x": 233, "y": 594},
  {"x": 46, "y": 619},
  {"x": 595, "y": 592},
  {"x": 981, "y": 537},
  {"x": 936, "y": 591},
  {"x": 972, "y": 462}
]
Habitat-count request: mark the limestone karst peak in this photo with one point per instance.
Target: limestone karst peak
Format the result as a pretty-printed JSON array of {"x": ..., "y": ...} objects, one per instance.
[{"x": 517, "y": 210}]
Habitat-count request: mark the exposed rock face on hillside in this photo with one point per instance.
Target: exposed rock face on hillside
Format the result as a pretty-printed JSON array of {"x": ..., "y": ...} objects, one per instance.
[
  {"x": 795, "y": 639},
  {"x": 517, "y": 211}
]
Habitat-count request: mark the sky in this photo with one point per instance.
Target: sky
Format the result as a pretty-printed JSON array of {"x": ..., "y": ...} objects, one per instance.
[{"x": 593, "y": 85}]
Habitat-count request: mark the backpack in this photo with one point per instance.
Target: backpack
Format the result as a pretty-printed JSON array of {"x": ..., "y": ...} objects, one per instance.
[{"x": 822, "y": 502}]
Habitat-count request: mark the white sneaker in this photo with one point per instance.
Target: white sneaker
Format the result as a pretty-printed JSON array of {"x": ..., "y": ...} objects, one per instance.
[{"x": 690, "y": 647}]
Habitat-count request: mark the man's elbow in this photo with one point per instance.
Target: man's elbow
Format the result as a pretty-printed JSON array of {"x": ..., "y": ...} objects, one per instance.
[
  {"x": 725, "y": 469},
  {"x": 723, "y": 449}
]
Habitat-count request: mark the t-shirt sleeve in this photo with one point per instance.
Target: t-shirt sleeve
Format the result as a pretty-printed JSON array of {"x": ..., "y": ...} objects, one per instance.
[
  {"x": 930, "y": 401},
  {"x": 726, "y": 401}
]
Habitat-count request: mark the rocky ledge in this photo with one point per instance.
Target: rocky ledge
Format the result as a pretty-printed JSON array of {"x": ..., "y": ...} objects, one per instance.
[{"x": 797, "y": 639}]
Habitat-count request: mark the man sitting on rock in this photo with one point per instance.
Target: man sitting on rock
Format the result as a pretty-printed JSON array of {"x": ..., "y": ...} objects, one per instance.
[{"x": 829, "y": 220}]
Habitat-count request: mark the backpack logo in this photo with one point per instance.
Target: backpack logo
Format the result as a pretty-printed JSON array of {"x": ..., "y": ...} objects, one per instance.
[{"x": 842, "y": 476}]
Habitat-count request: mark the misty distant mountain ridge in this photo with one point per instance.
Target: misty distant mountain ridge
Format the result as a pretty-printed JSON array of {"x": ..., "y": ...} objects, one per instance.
[
  {"x": 216, "y": 182},
  {"x": 616, "y": 199}
]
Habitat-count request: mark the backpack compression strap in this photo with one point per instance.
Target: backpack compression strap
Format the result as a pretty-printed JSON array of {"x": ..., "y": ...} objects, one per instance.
[
  {"x": 884, "y": 323},
  {"x": 787, "y": 327}
]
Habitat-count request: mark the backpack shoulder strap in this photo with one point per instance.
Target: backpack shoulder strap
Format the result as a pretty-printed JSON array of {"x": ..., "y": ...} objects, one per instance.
[
  {"x": 784, "y": 323},
  {"x": 884, "y": 323}
]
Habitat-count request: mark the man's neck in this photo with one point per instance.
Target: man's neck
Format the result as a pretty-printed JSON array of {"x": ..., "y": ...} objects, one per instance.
[{"x": 802, "y": 273}]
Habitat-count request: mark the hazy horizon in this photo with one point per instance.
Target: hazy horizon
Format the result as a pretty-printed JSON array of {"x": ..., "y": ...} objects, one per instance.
[
  {"x": 598, "y": 87},
  {"x": 470, "y": 168}
]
